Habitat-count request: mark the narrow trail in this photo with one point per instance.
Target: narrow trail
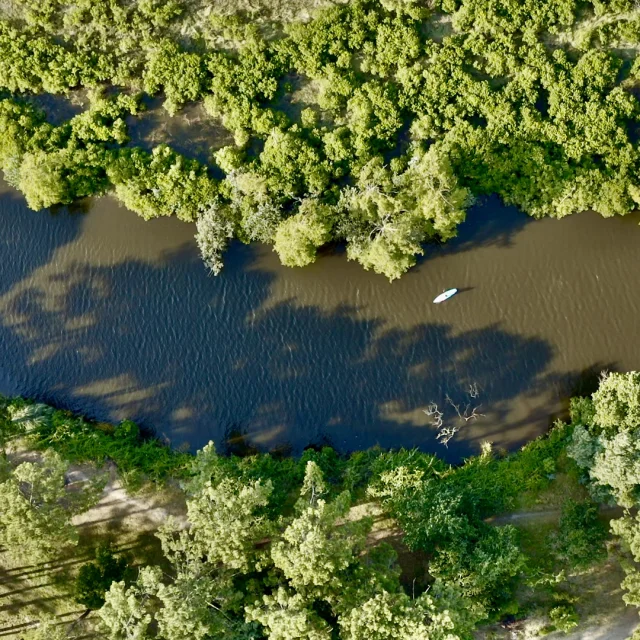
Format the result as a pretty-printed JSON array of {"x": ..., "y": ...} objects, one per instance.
[{"x": 546, "y": 515}]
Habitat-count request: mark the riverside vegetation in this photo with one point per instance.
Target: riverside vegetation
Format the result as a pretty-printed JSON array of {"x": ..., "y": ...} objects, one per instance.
[
  {"x": 278, "y": 548},
  {"x": 375, "y": 123}
]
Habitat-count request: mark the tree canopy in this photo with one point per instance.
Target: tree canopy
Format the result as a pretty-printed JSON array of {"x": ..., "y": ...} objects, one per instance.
[{"x": 373, "y": 123}]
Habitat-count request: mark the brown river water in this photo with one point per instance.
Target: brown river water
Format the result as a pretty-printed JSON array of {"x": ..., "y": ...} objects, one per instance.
[{"x": 115, "y": 317}]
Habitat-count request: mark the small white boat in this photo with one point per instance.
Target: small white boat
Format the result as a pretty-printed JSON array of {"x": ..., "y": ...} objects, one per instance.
[{"x": 445, "y": 295}]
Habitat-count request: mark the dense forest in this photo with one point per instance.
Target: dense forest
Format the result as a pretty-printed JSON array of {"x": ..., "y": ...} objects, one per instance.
[
  {"x": 276, "y": 548},
  {"x": 373, "y": 123}
]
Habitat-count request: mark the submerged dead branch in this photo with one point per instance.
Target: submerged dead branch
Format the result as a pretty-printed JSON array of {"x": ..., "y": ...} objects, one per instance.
[{"x": 446, "y": 433}]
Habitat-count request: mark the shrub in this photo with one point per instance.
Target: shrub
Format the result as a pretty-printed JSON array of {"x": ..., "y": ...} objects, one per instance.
[{"x": 581, "y": 535}]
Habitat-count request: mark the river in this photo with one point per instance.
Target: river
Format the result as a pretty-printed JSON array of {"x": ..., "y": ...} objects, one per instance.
[{"x": 114, "y": 317}]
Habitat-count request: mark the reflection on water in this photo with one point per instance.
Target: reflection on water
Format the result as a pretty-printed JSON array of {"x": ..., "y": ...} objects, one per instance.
[{"x": 115, "y": 317}]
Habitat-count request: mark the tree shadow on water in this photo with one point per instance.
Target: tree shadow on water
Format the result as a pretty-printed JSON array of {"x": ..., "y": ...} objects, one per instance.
[
  {"x": 29, "y": 238},
  {"x": 195, "y": 357},
  {"x": 489, "y": 223}
]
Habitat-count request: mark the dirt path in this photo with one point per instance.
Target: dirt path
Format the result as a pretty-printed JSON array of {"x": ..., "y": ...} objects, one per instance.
[
  {"x": 546, "y": 515},
  {"x": 118, "y": 509},
  {"x": 619, "y": 629}
]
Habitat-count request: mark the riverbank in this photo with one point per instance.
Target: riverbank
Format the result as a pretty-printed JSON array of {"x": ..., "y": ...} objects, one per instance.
[{"x": 539, "y": 479}]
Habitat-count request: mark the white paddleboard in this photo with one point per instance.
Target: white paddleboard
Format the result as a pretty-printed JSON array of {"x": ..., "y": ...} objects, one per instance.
[{"x": 445, "y": 295}]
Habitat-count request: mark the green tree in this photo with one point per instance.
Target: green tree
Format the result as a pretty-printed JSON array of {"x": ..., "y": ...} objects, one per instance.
[
  {"x": 8, "y": 428},
  {"x": 287, "y": 616},
  {"x": 581, "y": 535},
  {"x": 126, "y": 613},
  {"x": 95, "y": 578},
  {"x": 227, "y": 519},
  {"x": 298, "y": 238},
  {"x": 483, "y": 565},
  {"x": 215, "y": 228},
  {"x": 37, "y": 509},
  {"x": 564, "y": 617},
  {"x": 617, "y": 403},
  {"x": 46, "y": 179},
  {"x": 314, "y": 553},
  {"x": 395, "y": 616},
  {"x": 389, "y": 216},
  {"x": 200, "y": 600},
  {"x": 609, "y": 442},
  {"x": 628, "y": 530},
  {"x": 444, "y": 518},
  {"x": 617, "y": 467},
  {"x": 583, "y": 446},
  {"x": 162, "y": 183},
  {"x": 180, "y": 74}
]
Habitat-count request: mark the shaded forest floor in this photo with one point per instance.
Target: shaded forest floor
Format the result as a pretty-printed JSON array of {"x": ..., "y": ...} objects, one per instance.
[{"x": 29, "y": 593}]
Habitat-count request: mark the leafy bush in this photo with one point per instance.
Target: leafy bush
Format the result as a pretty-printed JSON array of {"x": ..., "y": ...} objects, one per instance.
[
  {"x": 79, "y": 440},
  {"x": 180, "y": 74},
  {"x": 162, "y": 183},
  {"x": 581, "y": 535},
  {"x": 564, "y": 617}
]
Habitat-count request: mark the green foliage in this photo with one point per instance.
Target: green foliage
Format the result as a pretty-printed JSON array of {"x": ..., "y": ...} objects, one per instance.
[
  {"x": 617, "y": 403},
  {"x": 126, "y": 612},
  {"x": 162, "y": 183},
  {"x": 482, "y": 560},
  {"x": 298, "y": 238},
  {"x": 485, "y": 99},
  {"x": 564, "y": 617},
  {"x": 95, "y": 578},
  {"x": 180, "y": 74},
  {"x": 388, "y": 216},
  {"x": 240, "y": 84},
  {"x": 373, "y": 118},
  {"x": 35, "y": 63},
  {"x": 628, "y": 529},
  {"x": 607, "y": 445},
  {"x": 46, "y": 179},
  {"x": 498, "y": 484},
  {"x": 237, "y": 573},
  {"x": 37, "y": 509},
  {"x": 286, "y": 616},
  {"x": 226, "y": 520},
  {"x": 22, "y": 129},
  {"x": 583, "y": 447},
  {"x": 314, "y": 553},
  {"x": 78, "y": 440},
  {"x": 215, "y": 228},
  {"x": 395, "y": 616},
  {"x": 292, "y": 166},
  {"x": 617, "y": 467},
  {"x": 17, "y": 421},
  {"x": 581, "y": 535},
  {"x": 56, "y": 165},
  {"x": 274, "y": 549},
  {"x": 483, "y": 563}
]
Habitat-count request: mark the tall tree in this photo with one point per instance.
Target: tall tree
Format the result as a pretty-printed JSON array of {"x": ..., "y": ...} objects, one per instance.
[
  {"x": 314, "y": 551},
  {"x": 227, "y": 519},
  {"x": 37, "y": 508}
]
